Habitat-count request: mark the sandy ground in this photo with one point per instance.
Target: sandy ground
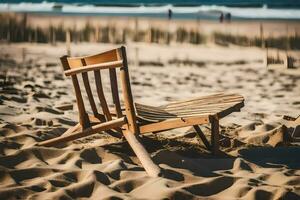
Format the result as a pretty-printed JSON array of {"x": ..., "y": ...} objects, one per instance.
[{"x": 260, "y": 143}]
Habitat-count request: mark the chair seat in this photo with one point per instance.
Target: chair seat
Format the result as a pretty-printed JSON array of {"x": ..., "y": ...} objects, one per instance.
[{"x": 217, "y": 104}]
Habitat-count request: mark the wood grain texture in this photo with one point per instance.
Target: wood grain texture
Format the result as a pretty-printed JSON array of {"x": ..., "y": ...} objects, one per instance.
[
  {"x": 218, "y": 104},
  {"x": 127, "y": 95},
  {"x": 83, "y": 117},
  {"x": 107, "y": 65},
  {"x": 173, "y": 123},
  {"x": 115, "y": 91},
  {"x": 101, "y": 95},
  {"x": 85, "y": 132},
  {"x": 151, "y": 168}
]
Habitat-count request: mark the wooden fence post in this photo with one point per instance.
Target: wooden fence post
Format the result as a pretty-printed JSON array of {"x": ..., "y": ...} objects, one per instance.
[{"x": 68, "y": 41}]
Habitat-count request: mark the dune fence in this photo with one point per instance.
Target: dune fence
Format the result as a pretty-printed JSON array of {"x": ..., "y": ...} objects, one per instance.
[{"x": 16, "y": 28}]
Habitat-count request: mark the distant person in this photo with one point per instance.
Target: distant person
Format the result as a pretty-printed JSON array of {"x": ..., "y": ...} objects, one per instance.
[
  {"x": 170, "y": 13},
  {"x": 228, "y": 17},
  {"x": 221, "y": 18}
]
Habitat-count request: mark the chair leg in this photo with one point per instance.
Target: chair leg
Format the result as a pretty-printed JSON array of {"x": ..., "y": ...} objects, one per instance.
[
  {"x": 215, "y": 137},
  {"x": 151, "y": 168},
  {"x": 202, "y": 136}
]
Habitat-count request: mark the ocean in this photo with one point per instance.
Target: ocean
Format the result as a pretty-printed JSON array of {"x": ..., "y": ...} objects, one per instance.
[{"x": 191, "y": 9}]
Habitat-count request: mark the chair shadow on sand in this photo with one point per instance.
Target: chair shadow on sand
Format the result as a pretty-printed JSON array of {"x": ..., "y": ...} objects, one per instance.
[{"x": 273, "y": 157}]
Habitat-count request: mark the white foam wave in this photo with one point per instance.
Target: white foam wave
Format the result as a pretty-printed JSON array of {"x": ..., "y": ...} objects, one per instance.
[
  {"x": 252, "y": 13},
  {"x": 27, "y": 7}
]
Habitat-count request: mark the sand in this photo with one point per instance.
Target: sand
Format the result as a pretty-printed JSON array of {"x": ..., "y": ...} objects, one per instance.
[{"x": 260, "y": 144}]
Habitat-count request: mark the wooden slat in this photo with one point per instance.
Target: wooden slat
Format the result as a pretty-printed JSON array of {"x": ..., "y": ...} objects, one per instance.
[
  {"x": 173, "y": 123},
  {"x": 115, "y": 92},
  {"x": 182, "y": 113},
  {"x": 157, "y": 114},
  {"x": 203, "y": 104},
  {"x": 101, "y": 95},
  {"x": 191, "y": 106},
  {"x": 89, "y": 93},
  {"x": 86, "y": 132},
  {"x": 201, "y": 110},
  {"x": 207, "y": 101},
  {"x": 205, "y": 98},
  {"x": 103, "y": 57},
  {"x": 196, "y": 109},
  {"x": 221, "y": 114},
  {"x": 162, "y": 118},
  {"x": 83, "y": 117},
  {"x": 202, "y": 98},
  {"x": 107, "y": 65}
]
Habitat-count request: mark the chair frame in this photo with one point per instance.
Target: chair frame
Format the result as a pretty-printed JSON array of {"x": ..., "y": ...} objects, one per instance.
[{"x": 124, "y": 122}]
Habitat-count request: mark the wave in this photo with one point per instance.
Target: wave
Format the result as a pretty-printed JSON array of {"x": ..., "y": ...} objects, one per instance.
[{"x": 161, "y": 10}]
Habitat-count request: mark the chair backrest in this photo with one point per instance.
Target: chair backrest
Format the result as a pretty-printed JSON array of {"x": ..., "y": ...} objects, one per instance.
[{"x": 109, "y": 60}]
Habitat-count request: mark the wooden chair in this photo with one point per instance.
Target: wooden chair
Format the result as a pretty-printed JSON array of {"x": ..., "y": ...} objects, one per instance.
[{"x": 133, "y": 119}]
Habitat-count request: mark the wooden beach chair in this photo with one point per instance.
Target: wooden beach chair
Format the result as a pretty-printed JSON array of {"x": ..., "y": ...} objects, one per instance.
[{"x": 133, "y": 119}]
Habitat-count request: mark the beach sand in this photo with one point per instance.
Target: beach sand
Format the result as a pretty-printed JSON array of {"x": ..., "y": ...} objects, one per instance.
[{"x": 260, "y": 144}]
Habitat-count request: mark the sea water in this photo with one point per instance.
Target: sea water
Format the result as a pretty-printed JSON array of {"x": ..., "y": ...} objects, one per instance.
[{"x": 202, "y": 9}]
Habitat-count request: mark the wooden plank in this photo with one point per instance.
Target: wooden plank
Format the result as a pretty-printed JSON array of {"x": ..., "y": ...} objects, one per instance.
[
  {"x": 218, "y": 95},
  {"x": 215, "y": 137},
  {"x": 150, "y": 167},
  {"x": 102, "y": 57},
  {"x": 128, "y": 99},
  {"x": 203, "y": 102},
  {"x": 154, "y": 114},
  {"x": 206, "y": 97},
  {"x": 107, "y": 65},
  {"x": 83, "y": 117},
  {"x": 202, "y": 136},
  {"x": 106, "y": 56},
  {"x": 183, "y": 113},
  {"x": 101, "y": 95},
  {"x": 86, "y": 132},
  {"x": 173, "y": 123},
  {"x": 115, "y": 91},
  {"x": 89, "y": 93},
  {"x": 156, "y": 118}
]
